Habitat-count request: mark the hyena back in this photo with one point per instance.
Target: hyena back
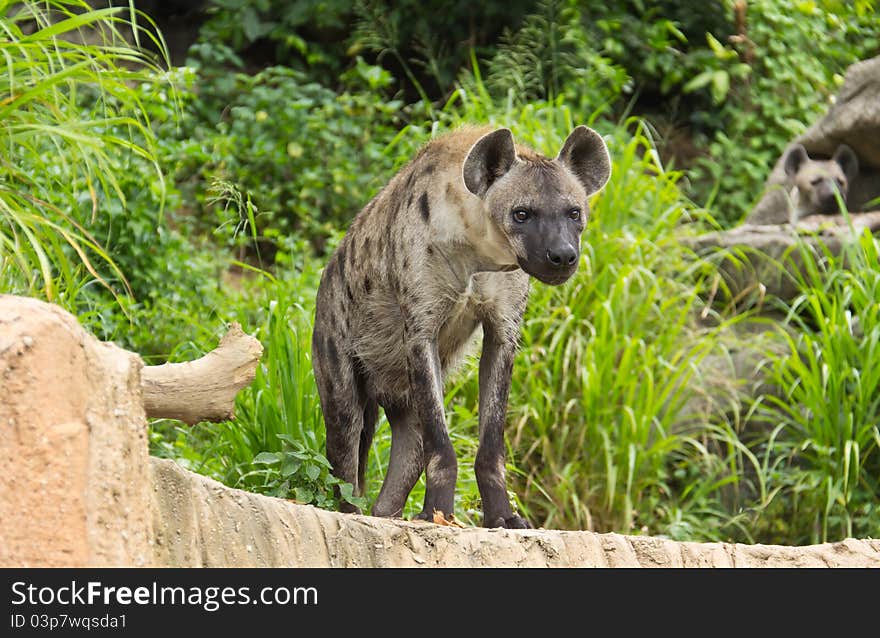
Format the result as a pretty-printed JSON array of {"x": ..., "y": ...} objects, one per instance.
[{"x": 443, "y": 253}]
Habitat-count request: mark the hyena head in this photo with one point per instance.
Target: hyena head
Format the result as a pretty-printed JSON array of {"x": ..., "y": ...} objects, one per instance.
[
  {"x": 539, "y": 204},
  {"x": 818, "y": 181}
]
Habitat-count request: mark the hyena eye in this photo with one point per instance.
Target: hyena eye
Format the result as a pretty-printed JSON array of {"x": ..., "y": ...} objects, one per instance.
[
  {"x": 574, "y": 214},
  {"x": 520, "y": 215}
]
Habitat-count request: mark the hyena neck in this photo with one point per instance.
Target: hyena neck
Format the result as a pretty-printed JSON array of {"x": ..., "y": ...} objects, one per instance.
[
  {"x": 467, "y": 235},
  {"x": 492, "y": 247},
  {"x": 476, "y": 257},
  {"x": 461, "y": 263}
]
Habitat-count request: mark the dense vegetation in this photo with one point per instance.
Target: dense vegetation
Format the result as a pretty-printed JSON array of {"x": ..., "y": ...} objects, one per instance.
[{"x": 160, "y": 201}]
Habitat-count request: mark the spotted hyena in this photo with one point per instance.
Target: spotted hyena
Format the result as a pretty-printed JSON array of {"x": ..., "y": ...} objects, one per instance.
[{"x": 443, "y": 253}]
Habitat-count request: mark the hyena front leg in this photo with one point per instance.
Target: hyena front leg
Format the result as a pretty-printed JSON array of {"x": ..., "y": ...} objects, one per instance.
[
  {"x": 426, "y": 394},
  {"x": 496, "y": 369}
]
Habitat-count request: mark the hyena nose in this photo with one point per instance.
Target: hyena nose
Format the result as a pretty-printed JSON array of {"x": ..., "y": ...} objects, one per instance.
[{"x": 562, "y": 256}]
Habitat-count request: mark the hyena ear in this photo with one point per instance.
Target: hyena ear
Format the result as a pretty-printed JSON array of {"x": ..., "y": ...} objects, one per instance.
[
  {"x": 848, "y": 161},
  {"x": 489, "y": 158},
  {"x": 795, "y": 157},
  {"x": 585, "y": 154}
]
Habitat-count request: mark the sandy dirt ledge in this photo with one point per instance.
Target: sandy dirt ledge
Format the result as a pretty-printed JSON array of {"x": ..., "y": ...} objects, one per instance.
[{"x": 200, "y": 522}]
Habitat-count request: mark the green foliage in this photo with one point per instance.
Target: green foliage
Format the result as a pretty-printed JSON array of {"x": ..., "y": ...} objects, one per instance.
[
  {"x": 658, "y": 42},
  {"x": 719, "y": 75},
  {"x": 552, "y": 55},
  {"x": 781, "y": 52},
  {"x": 421, "y": 44},
  {"x": 168, "y": 269},
  {"x": 241, "y": 24},
  {"x": 304, "y": 476},
  {"x": 68, "y": 115},
  {"x": 83, "y": 195},
  {"x": 427, "y": 46}
]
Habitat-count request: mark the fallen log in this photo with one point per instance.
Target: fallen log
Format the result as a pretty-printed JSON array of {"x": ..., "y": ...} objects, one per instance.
[
  {"x": 766, "y": 259},
  {"x": 204, "y": 389}
]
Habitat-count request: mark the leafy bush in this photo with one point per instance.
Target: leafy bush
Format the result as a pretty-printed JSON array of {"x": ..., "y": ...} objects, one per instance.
[
  {"x": 552, "y": 55},
  {"x": 243, "y": 24},
  {"x": 660, "y": 43},
  {"x": 307, "y": 158},
  {"x": 169, "y": 270}
]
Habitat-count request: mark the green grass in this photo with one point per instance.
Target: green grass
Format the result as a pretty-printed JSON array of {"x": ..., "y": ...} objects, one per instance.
[{"x": 821, "y": 454}]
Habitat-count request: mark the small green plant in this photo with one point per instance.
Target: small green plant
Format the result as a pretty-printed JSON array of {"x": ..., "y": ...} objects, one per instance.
[
  {"x": 552, "y": 55},
  {"x": 300, "y": 473}
]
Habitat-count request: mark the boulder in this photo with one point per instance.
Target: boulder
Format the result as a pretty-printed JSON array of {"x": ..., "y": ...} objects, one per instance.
[{"x": 74, "y": 489}]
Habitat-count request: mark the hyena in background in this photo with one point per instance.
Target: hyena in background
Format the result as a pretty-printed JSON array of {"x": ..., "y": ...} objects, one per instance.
[
  {"x": 444, "y": 250},
  {"x": 816, "y": 183}
]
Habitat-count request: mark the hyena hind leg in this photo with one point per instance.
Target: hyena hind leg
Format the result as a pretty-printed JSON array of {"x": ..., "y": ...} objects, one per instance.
[
  {"x": 407, "y": 462},
  {"x": 371, "y": 415},
  {"x": 344, "y": 406}
]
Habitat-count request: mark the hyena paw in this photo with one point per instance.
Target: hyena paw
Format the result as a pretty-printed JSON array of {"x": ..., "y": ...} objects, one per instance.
[
  {"x": 514, "y": 522},
  {"x": 348, "y": 508}
]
